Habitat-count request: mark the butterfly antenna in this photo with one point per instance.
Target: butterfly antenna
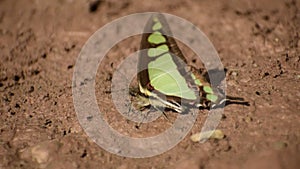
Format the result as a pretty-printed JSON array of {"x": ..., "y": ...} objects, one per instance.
[
  {"x": 228, "y": 98},
  {"x": 235, "y": 100}
]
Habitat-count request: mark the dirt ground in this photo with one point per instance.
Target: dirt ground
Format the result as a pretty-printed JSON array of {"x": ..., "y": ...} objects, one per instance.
[{"x": 258, "y": 42}]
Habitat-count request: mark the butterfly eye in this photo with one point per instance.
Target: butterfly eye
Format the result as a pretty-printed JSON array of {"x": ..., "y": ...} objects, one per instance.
[{"x": 149, "y": 87}]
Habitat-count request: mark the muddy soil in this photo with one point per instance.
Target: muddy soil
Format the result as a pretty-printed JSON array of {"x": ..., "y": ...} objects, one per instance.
[{"x": 258, "y": 42}]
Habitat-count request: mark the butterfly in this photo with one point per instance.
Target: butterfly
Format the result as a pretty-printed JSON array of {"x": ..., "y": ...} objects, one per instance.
[{"x": 164, "y": 77}]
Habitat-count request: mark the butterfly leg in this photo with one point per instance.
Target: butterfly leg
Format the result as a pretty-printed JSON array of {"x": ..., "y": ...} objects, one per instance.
[
  {"x": 145, "y": 115},
  {"x": 163, "y": 112}
]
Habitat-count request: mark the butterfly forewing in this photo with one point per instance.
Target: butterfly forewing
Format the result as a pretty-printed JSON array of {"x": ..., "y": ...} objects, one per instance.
[{"x": 162, "y": 65}]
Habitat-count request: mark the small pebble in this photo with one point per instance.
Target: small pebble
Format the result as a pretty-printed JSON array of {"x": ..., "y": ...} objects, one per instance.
[
  {"x": 248, "y": 119},
  {"x": 280, "y": 145},
  {"x": 245, "y": 80},
  {"x": 214, "y": 134},
  {"x": 42, "y": 153}
]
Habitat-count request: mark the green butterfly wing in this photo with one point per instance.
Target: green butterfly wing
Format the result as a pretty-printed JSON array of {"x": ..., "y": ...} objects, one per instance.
[
  {"x": 165, "y": 77},
  {"x": 162, "y": 66},
  {"x": 163, "y": 71}
]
